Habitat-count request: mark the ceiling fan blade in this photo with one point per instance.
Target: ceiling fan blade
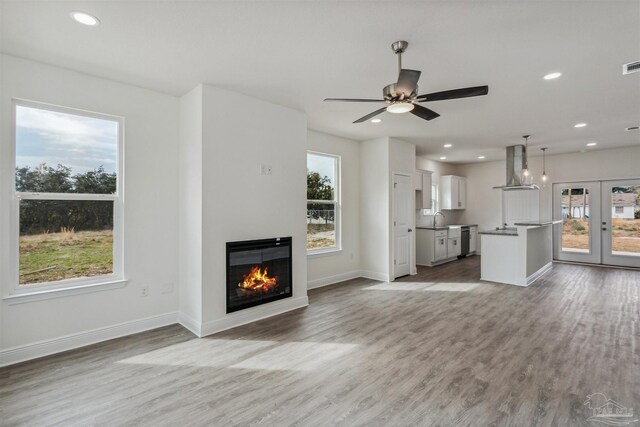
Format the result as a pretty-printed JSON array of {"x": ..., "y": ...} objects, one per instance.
[
  {"x": 353, "y": 100},
  {"x": 370, "y": 115},
  {"x": 408, "y": 81},
  {"x": 424, "y": 113},
  {"x": 466, "y": 92}
]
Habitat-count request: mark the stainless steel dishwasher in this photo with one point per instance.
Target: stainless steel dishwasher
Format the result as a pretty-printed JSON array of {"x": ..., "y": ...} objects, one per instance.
[{"x": 464, "y": 241}]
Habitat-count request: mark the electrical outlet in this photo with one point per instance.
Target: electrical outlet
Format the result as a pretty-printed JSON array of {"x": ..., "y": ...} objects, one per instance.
[
  {"x": 144, "y": 292},
  {"x": 265, "y": 169}
]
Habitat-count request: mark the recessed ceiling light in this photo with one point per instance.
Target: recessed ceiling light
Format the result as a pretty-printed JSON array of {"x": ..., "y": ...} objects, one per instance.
[
  {"x": 85, "y": 19},
  {"x": 552, "y": 76},
  {"x": 481, "y": 157},
  {"x": 579, "y": 125},
  {"x": 448, "y": 145},
  {"x": 376, "y": 120},
  {"x": 443, "y": 158},
  {"x": 592, "y": 144}
]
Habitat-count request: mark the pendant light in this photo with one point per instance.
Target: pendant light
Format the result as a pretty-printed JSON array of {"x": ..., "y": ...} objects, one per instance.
[
  {"x": 544, "y": 167},
  {"x": 526, "y": 175}
]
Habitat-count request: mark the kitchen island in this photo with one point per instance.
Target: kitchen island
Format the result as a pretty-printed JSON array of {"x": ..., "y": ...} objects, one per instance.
[{"x": 517, "y": 255}]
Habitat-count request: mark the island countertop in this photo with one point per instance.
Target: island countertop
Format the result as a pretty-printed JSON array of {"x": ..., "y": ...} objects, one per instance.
[
  {"x": 536, "y": 223},
  {"x": 500, "y": 232}
]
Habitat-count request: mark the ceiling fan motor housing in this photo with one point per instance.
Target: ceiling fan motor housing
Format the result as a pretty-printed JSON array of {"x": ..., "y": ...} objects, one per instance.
[{"x": 391, "y": 94}]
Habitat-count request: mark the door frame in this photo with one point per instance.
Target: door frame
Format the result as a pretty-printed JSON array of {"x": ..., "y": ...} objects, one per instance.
[{"x": 392, "y": 252}]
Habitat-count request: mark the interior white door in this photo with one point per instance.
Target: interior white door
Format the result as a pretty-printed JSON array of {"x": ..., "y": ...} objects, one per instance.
[
  {"x": 402, "y": 224},
  {"x": 578, "y": 238},
  {"x": 620, "y": 227}
]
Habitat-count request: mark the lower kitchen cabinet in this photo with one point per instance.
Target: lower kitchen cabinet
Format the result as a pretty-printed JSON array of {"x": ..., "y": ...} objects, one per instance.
[
  {"x": 453, "y": 247},
  {"x": 437, "y": 246},
  {"x": 440, "y": 252},
  {"x": 431, "y": 246}
]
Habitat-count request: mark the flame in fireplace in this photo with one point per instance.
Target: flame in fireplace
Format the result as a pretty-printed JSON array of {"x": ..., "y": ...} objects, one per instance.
[{"x": 258, "y": 281}]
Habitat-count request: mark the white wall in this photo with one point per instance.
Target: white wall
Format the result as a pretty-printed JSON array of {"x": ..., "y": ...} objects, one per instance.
[
  {"x": 374, "y": 209},
  {"x": 150, "y": 212},
  {"x": 483, "y": 202},
  {"x": 238, "y": 203},
  {"x": 190, "y": 226},
  {"x": 324, "y": 269},
  {"x": 439, "y": 169}
]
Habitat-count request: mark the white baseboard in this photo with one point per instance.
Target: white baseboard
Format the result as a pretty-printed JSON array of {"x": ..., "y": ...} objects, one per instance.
[
  {"x": 535, "y": 276},
  {"x": 190, "y": 323},
  {"x": 330, "y": 280},
  {"x": 374, "y": 275},
  {"x": 56, "y": 345},
  {"x": 252, "y": 314}
]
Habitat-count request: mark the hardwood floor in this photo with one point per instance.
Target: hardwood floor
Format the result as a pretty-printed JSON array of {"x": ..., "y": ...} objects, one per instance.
[{"x": 439, "y": 348}]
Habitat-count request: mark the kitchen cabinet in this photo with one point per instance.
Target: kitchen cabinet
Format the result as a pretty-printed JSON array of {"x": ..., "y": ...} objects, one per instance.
[
  {"x": 473, "y": 239},
  {"x": 454, "y": 241},
  {"x": 453, "y": 192},
  {"x": 440, "y": 247},
  {"x": 431, "y": 246},
  {"x": 453, "y": 247},
  {"x": 422, "y": 185}
]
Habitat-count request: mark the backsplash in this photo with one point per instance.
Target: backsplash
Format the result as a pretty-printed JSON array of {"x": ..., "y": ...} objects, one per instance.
[{"x": 450, "y": 217}]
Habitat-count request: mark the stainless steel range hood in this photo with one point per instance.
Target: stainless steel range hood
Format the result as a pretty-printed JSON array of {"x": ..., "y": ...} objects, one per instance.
[{"x": 516, "y": 159}]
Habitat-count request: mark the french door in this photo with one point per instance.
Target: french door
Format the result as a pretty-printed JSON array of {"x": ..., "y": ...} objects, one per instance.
[
  {"x": 600, "y": 222},
  {"x": 578, "y": 238},
  {"x": 621, "y": 222}
]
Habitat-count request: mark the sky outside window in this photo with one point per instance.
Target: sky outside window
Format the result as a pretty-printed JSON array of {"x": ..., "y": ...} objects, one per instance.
[{"x": 79, "y": 142}]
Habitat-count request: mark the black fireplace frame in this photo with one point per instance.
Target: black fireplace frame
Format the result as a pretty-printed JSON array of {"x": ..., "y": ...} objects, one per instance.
[{"x": 256, "y": 244}]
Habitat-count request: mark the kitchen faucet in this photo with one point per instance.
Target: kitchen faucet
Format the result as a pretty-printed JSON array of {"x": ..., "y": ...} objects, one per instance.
[{"x": 435, "y": 215}]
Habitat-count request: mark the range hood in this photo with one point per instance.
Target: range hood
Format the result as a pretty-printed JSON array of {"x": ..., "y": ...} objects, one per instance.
[{"x": 516, "y": 159}]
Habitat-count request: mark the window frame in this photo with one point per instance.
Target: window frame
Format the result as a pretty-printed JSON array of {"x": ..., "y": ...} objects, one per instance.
[
  {"x": 44, "y": 290},
  {"x": 337, "y": 202}
]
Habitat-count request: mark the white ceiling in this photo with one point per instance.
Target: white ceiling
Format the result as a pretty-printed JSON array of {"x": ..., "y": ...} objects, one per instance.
[{"x": 297, "y": 53}]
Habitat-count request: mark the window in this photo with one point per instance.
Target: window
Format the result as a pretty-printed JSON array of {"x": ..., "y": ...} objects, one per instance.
[
  {"x": 68, "y": 197},
  {"x": 323, "y": 202},
  {"x": 619, "y": 209},
  {"x": 434, "y": 201}
]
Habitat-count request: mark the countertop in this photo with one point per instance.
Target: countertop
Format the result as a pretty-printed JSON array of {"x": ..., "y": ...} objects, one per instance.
[
  {"x": 501, "y": 232},
  {"x": 537, "y": 223},
  {"x": 445, "y": 227}
]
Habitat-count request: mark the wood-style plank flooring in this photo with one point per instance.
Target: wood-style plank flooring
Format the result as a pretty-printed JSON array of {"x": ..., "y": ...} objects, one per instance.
[{"x": 439, "y": 348}]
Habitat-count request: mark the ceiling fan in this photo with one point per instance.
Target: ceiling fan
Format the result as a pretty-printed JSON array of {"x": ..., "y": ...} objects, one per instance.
[{"x": 403, "y": 97}]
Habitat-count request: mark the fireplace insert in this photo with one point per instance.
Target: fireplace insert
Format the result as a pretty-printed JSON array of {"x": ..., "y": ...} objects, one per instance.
[{"x": 258, "y": 271}]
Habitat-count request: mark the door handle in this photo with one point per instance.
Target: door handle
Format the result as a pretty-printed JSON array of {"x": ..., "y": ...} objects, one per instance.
[
  {"x": 604, "y": 228},
  {"x": 410, "y": 230}
]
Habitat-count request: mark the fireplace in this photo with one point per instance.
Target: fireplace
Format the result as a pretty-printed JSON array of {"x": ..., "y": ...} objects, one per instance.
[{"x": 258, "y": 272}]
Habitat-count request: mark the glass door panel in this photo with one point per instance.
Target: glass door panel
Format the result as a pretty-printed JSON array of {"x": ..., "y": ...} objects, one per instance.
[
  {"x": 578, "y": 206},
  {"x": 621, "y": 223}
]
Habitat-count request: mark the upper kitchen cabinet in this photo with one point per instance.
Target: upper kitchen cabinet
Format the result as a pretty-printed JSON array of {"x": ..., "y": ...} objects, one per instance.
[
  {"x": 453, "y": 192},
  {"x": 422, "y": 185}
]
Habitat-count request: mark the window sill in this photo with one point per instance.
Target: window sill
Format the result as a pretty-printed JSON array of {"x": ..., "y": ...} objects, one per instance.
[
  {"x": 323, "y": 253},
  {"x": 40, "y": 295}
]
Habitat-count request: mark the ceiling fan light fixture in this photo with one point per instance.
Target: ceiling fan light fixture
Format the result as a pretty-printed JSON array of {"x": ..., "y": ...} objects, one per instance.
[
  {"x": 400, "y": 107},
  {"x": 84, "y": 18}
]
